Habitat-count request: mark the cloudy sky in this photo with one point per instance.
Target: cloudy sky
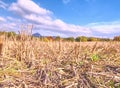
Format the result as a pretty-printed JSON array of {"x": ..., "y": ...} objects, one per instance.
[{"x": 65, "y": 18}]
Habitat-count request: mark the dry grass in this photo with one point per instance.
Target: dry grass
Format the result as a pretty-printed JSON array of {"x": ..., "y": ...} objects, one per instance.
[
  {"x": 37, "y": 64},
  {"x": 1, "y": 44}
]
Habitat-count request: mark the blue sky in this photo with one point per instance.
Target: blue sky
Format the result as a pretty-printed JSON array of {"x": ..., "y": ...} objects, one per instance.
[{"x": 100, "y": 18}]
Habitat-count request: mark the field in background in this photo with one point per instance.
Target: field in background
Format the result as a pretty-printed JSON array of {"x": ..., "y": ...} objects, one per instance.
[{"x": 35, "y": 64}]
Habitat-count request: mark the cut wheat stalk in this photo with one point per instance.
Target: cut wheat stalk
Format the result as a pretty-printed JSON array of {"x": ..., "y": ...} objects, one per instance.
[
  {"x": 115, "y": 77},
  {"x": 1, "y": 45}
]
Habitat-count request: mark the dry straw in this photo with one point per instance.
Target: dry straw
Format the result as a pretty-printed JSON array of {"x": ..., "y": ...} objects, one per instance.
[
  {"x": 30, "y": 63},
  {"x": 1, "y": 45}
]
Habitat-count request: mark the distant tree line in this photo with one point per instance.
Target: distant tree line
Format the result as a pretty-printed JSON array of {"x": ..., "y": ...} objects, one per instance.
[
  {"x": 8, "y": 34},
  {"x": 57, "y": 38},
  {"x": 80, "y": 39}
]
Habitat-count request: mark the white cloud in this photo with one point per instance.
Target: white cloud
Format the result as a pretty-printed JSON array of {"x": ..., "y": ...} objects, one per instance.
[
  {"x": 8, "y": 27},
  {"x": 44, "y": 20},
  {"x": 2, "y": 19},
  {"x": 3, "y": 5},
  {"x": 105, "y": 27},
  {"x": 13, "y": 19},
  {"x": 28, "y": 6},
  {"x": 9, "y": 24}
]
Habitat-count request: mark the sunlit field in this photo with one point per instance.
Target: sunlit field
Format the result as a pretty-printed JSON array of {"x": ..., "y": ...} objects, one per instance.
[
  {"x": 32, "y": 63},
  {"x": 59, "y": 43}
]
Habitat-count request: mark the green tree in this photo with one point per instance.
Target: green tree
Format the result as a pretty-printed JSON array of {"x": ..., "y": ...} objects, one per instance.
[
  {"x": 92, "y": 39},
  {"x": 70, "y": 39},
  {"x": 10, "y": 34},
  {"x": 116, "y": 38},
  {"x": 45, "y": 39},
  {"x": 81, "y": 38},
  {"x": 77, "y": 39},
  {"x": 57, "y": 38}
]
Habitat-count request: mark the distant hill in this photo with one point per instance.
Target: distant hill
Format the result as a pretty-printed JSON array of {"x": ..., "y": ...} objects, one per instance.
[{"x": 37, "y": 35}]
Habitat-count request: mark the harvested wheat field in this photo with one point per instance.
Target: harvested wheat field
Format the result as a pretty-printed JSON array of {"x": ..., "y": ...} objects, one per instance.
[{"x": 36, "y": 64}]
